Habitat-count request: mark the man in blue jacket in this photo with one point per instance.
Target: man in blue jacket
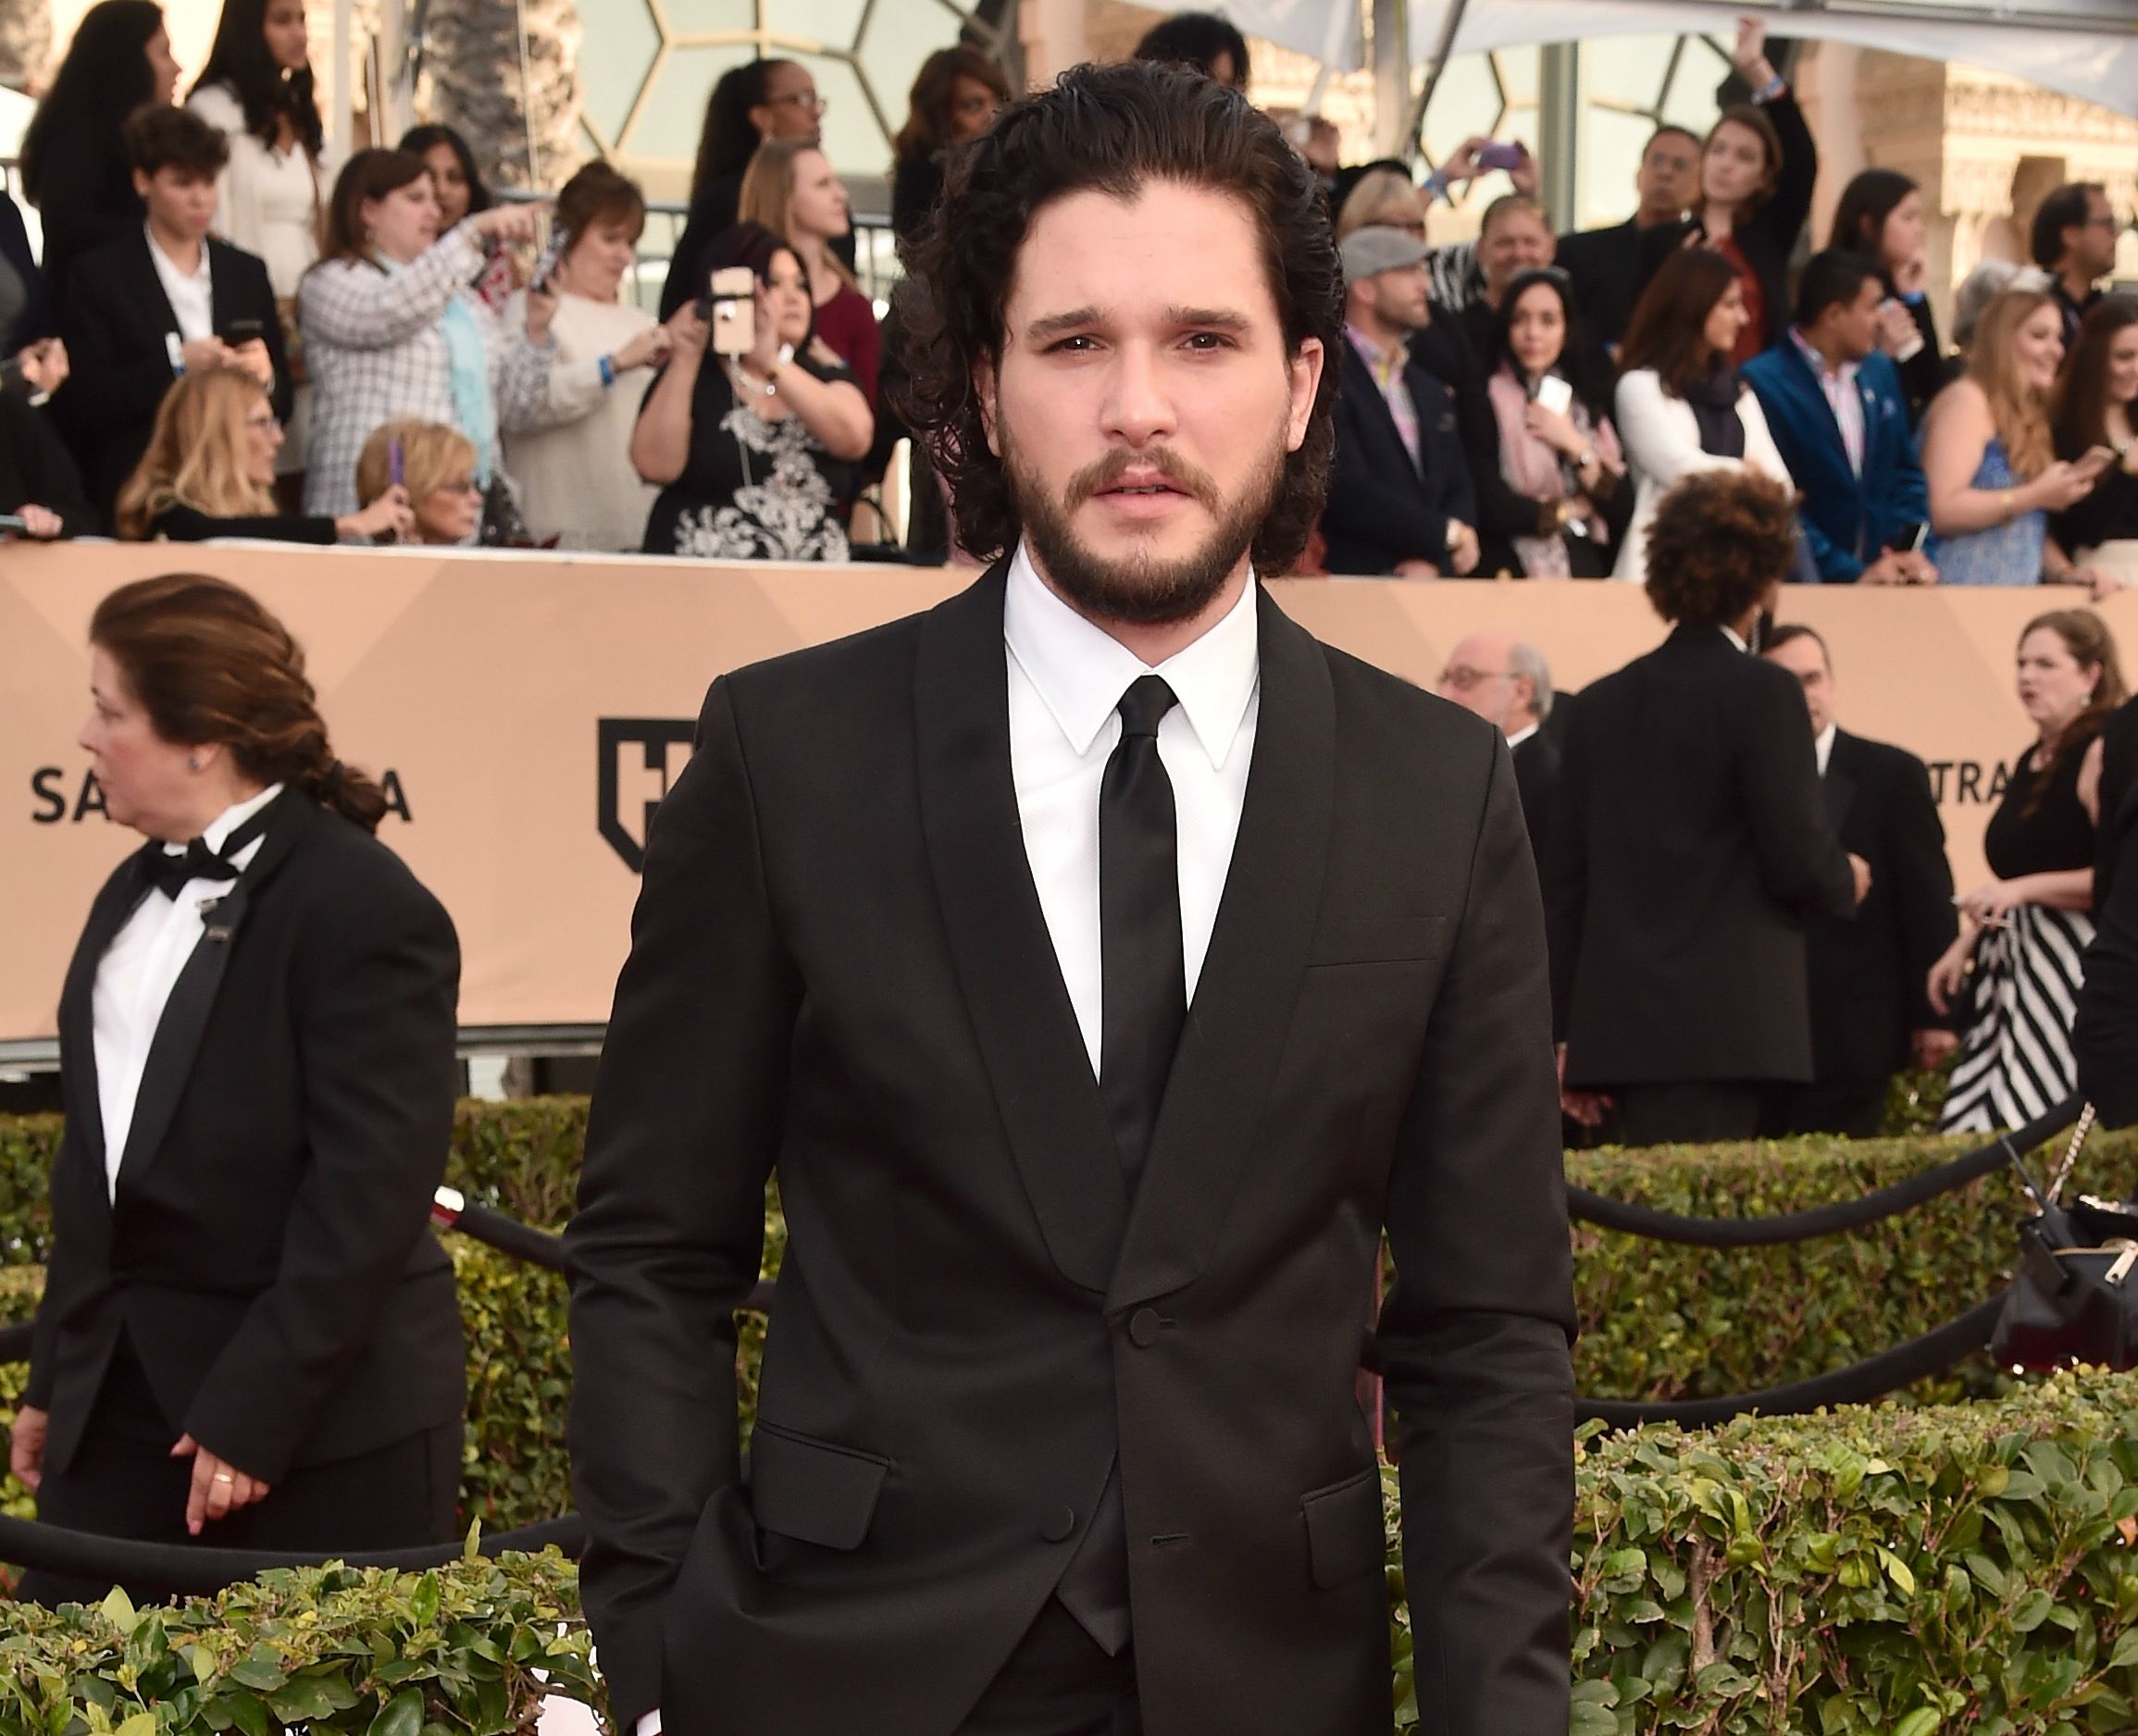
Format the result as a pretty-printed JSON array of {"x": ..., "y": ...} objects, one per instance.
[{"x": 1836, "y": 408}]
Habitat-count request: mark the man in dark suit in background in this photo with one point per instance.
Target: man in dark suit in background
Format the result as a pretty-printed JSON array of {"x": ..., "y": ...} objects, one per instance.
[
  {"x": 1871, "y": 1013},
  {"x": 142, "y": 310},
  {"x": 1689, "y": 842},
  {"x": 1506, "y": 681},
  {"x": 1605, "y": 264},
  {"x": 1057, "y": 1433},
  {"x": 1400, "y": 498},
  {"x": 1835, "y": 404}
]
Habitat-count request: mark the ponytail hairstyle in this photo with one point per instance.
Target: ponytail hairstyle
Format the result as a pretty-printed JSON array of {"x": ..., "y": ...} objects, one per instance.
[{"x": 209, "y": 665}]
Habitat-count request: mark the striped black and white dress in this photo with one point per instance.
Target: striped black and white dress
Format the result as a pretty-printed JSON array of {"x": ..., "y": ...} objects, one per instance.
[{"x": 2015, "y": 1059}]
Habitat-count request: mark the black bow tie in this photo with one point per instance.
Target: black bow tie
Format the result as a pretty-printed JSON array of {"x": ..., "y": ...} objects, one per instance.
[{"x": 170, "y": 872}]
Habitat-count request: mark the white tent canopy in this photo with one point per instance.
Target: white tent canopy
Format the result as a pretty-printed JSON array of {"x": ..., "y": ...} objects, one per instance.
[{"x": 2085, "y": 48}]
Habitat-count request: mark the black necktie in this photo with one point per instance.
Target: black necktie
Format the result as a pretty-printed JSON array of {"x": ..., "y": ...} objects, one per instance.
[
  {"x": 1143, "y": 979},
  {"x": 169, "y": 872}
]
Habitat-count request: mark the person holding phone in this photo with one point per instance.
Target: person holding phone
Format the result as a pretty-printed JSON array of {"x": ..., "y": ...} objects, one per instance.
[
  {"x": 41, "y": 498},
  {"x": 393, "y": 329},
  {"x": 428, "y": 467},
  {"x": 1553, "y": 500},
  {"x": 751, "y": 440},
  {"x": 169, "y": 301},
  {"x": 1837, "y": 409},
  {"x": 2096, "y": 412},
  {"x": 1989, "y": 454},
  {"x": 209, "y": 471}
]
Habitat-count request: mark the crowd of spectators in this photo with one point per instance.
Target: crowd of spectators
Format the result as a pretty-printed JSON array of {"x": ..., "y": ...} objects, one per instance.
[{"x": 1512, "y": 406}]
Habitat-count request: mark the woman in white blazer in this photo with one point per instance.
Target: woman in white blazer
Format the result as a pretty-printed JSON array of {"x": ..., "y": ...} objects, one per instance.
[{"x": 1681, "y": 406}]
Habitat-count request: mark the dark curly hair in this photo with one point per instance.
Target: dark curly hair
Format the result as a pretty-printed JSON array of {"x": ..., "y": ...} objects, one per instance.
[
  {"x": 1720, "y": 540},
  {"x": 1109, "y": 129},
  {"x": 209, "y": 664}
]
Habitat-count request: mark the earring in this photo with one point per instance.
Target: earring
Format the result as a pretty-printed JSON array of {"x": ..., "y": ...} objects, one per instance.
[{"x": 193, "y": 762}]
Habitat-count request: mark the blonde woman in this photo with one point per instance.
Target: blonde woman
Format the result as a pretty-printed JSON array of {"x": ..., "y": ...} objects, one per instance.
[
  {"x": 791, "y": 188},
  {"x": 209, "y": 471},
  {"x": 436, "y": 476},
  {"x": 1989, "y": 459},
  {"x": 1383, "y": 198}
]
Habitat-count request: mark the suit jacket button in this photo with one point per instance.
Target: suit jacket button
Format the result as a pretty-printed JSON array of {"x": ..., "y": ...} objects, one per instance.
[
  {"x": 1059, "y": 1524},
  {"x": 1143, "y": 1328}
]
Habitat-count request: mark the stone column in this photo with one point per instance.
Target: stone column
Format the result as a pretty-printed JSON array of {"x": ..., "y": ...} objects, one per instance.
[{"x": 473, "y": 83}]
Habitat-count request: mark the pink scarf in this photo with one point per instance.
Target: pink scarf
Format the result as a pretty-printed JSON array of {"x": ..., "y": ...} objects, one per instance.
[{"x": 1530, "y": 467}]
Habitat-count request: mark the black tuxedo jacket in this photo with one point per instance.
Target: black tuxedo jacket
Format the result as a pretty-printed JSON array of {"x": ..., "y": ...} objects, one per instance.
[
  {"x": 1688, "y": 842},
  {"x": 116, "y": 319},
  {"x": 1869, "y": 972},
  {"x": 268, "y": 1250},
  {"x": 840, "y": 968},
  {"x": 1383, "y": 508},
  {"x": 1537, "y": 777}
]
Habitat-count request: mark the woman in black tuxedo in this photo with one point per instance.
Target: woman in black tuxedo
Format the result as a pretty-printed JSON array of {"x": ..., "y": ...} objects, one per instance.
[{"x": 248, "y": 1337}]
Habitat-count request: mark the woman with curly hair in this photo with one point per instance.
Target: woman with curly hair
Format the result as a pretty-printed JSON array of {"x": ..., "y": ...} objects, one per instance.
[{"x": 1688, "y": 840}]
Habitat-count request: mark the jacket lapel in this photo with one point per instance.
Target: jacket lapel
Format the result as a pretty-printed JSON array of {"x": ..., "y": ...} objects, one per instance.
[
  {"x": 1367, "y": 392},
  {"x": 149, "y": 292},
  {"x": 193, "y": 997},
  {"x": 1021, "y": 1019},
  {"x": 84, "y": 1104},
  {"x": 1251, "y": 977},
  {"x": 1839, "y": 781}
]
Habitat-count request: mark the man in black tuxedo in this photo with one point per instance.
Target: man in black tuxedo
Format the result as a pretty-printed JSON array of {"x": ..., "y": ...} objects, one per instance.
[
  {"x": 173, "y": 298},
  {"x": 1689, "y": 842},
  {"x": 1506, "y": 681},
  {"x": 1870, "y": 1012},
  {"x": 1102, "y": 963},
  {"x": 1605, "y": 264},
  {"x": 1401, "y": 497}
]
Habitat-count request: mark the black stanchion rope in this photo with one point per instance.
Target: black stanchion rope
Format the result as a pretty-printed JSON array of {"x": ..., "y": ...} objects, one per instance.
[
  {"x": 1858, "y": 1384},
  {"x": 190, "y": 1570},
  {"x": 1804, "y": 1226}
]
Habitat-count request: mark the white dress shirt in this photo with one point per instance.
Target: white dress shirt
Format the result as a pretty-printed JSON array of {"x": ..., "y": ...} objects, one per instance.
[
  {"x": 191, "y": 293},
  {"x": 137, "y": 972},
  {"x": 1823, "y": 746},
  {"x": 1066, "y": 678},
  {"x": 1522, "y": 735}
]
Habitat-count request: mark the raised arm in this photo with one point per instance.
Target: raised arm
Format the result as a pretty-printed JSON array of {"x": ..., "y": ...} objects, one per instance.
[{"x": 359, "y": 306}]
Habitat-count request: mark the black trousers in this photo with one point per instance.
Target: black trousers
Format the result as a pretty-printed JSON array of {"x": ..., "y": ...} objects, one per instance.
[
  {"x": 1694, "y": 1111},
  {"x": 1059, "y": 1684},
  {"x": 123, "y": 1482},
  {"x": 1853, "y": 1106}
]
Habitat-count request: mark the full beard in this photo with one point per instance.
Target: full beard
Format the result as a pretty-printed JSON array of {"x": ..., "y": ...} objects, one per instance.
[{"x": 1140, "y": 591}]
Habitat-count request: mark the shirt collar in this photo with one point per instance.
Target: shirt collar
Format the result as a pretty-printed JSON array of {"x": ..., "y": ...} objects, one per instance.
[
  {"x": 163, "y": 259},
  {"x": 1080, "y": 671},
  {"x": 1734, "y": 636},
  {"x": 1378, "y": 360},
  {"x": 1823, "y": 744},
  {"x": 1522, "y": 735},
  {"x": 229, "y": 820},
  {"x": 1844, "y": 372}
]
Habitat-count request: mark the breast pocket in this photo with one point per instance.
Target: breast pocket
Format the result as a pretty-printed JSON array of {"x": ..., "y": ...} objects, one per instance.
[
  {"x": 812, "y": 1489},
  {"x": 1378, "y": 940}
]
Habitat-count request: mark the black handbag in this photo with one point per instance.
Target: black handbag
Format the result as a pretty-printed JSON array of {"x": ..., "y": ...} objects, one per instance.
[{"x": 2074, "y": 1294}]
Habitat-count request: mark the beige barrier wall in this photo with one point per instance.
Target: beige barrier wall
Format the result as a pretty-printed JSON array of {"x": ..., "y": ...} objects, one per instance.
[{"x": 531, "y": 709}]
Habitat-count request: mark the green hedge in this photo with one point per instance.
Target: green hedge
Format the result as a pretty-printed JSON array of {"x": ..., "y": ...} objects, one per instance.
[
  {"x": 450, "y": 1653},
  {"x": 1874, "y": 1572},
  {"x": 1885, "y": 1572}
]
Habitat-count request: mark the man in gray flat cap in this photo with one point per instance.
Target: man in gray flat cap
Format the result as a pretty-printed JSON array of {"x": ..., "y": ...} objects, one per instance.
[{"x": 1400, "y": 498}]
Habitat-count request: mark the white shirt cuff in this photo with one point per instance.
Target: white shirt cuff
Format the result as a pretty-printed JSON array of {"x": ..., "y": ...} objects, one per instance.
[{"x": 651, "y": 1724}]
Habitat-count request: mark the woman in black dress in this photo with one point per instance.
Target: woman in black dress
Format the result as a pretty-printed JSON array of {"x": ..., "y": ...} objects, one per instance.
[
  {"x": 756, "y": 456},
  {"x": 248, "y": 1335},
  {"x": 2097, "y": 405},
  {"x": 2028, "y": 926}
]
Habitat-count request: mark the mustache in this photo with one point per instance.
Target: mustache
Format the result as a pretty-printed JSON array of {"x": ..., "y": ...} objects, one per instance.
[{"x": 1189, "y": 480}]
